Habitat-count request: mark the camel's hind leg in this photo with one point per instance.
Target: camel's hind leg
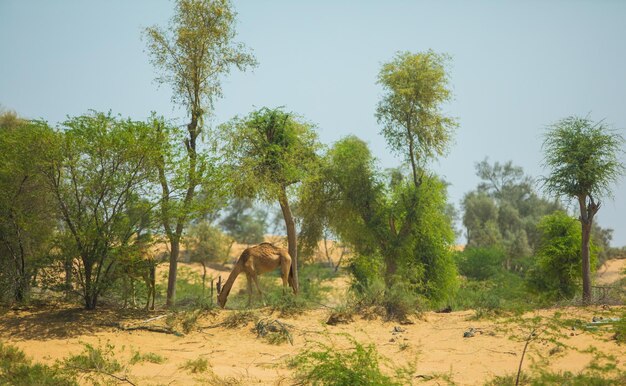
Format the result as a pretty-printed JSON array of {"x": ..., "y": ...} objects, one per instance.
[
  {"x": 285, "y": 267},
  {"x": 249, "y": 281}
]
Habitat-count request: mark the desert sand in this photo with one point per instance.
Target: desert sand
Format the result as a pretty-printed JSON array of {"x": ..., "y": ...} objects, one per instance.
[{"x": 434, "y": 344}]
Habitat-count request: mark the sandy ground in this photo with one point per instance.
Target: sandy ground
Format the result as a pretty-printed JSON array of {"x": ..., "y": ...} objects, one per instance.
[
  {"x": 610, "y": 272},
  {"x": 434, "y": 344}
]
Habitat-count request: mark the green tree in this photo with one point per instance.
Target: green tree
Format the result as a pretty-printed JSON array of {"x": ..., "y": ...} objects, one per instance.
[
  {"x": 584, "y": 162},
  {"x": 96, "y": 172},
  {"x": 413, "y": 124},
  {"x": 503, "y": 212},
  {"x": 557, "y": 269},
  {"x": 269, "y": 152},
  {"x": 243, "y": 222},
  {"x": 27, "y": 210},
  {"x": 193, "y": 53},
  {"x": 207, "y": 244},
  {"x": 399, "y": 232}
]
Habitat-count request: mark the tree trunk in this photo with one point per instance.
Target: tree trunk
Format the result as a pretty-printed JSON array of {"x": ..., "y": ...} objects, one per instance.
[
  {"x": 586, "y": 262},
  {"x": 91, "y": 296},
  {"x": 291, "y": 237},
  {"x": 587, "y": 211},
  {"x": 171, "y": 278}
]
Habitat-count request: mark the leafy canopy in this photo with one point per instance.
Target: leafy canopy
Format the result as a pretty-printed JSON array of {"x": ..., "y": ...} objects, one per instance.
[
  {"x": 415, "y": 86},
  {"x": 268, "y": 151},
  {"x": 195, "y": 50},
  {"x": 583, "y": 157}
]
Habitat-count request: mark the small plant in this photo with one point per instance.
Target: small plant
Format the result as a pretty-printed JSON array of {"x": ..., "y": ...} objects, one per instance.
[
  {"x": 620, "y": 329},
  {"x": 274, "y": 331},
  {"x": 240, "y": 319},
  {"x": 147, "y": 357},
  {"x": 194, "y": 366},
  {"x": 327, "y": 365}
]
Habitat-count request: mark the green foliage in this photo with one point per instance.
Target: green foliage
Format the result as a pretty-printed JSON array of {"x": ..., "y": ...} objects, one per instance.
[
  {"x": 619, "y": 328},
  {"x": 583, "y": 157},
  {"x": 193, "y": 54},
  {"x": 194, "y": 366},
  {"x": 503, "y": 212},
  {"x": 505, "y": 292},
  {"x": 399, "y": 231},
  {"x": 100, "y": 359},
  {"x": 243, "y": 223},
  {"x": 328, "y": 365},
  {"x": 416, "y": 85},
  {"x": 17, "y": 370},
  {"x": 557, "y": 270},
  {"x": 100, "y": 167},
  {"x": 206, "y": 243},
  {"x": 27, "y": 208},
  {"x": 268, "y": 151},
  {"x": 481, "y": 263},
  {"x": 196, "y": 50}
]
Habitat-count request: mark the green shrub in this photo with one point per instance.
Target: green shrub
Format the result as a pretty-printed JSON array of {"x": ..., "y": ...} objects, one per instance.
[
  {"x": 481, "y": 263},
  {"x": 194, "y": 366},
  {"x": 505, "y": 292},
  {"x": 147, "y": 357},
  {"x": 326, "y": 365},
  {"x": 557, "y": 272},
  {"x": 17, "y": 370},
  {"x": 99, "y": 359}
]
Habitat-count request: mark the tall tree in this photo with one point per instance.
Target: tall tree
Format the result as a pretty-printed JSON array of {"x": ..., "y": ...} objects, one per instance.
[
  {"x": 270, "y": 151},
  {"x": 193, "y": 53},
  {"x": 98, "y": 169},
  {"x": 27, "y": 210},
  {"x": 399, "y": 232},
  {"x": 584, "y": 162},
  {"x": 413, "y": 124},
  {"x": 504, "y": 211}
]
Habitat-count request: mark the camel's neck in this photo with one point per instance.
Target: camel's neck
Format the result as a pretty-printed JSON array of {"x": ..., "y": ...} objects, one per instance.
[{"x": 230, "y": 281}]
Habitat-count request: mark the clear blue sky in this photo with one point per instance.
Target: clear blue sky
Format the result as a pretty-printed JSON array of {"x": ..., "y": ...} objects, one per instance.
[{"x": 516, "y": 67}]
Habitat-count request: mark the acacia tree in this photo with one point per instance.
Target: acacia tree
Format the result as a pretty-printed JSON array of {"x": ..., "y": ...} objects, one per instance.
[
  {"x": 399, "y": 232},
  {"x": 270, "y": 151},
  {"x": 413, "y": 124},
  {"x": 27, "y": 210},
  {"x": 584, "y": 162},
  {"x": 195, "y": 50},
  {"x": 96, "y": 169}
]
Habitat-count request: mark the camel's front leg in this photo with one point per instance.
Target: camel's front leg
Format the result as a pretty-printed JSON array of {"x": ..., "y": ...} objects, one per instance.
[{"x": 258, "y": 287}]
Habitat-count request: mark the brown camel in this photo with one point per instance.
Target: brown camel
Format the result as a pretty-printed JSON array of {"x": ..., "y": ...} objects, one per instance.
[{"x": 255, "y": 261}]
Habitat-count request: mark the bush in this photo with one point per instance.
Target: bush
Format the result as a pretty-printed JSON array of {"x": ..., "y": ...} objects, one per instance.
[
  {"x": 332, "y": 367},
  {"x": 194, "y": 366},
  {"x": 481, "y": 263},
  {"x": 99, "y": 359},
  {"x": 505, "y": 292},
  {"x": 557, "y": 270},
  {"x": 17, "y": 370}
]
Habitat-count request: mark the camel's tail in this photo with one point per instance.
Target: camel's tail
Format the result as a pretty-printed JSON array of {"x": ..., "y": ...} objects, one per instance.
[{"x": 223, "y": 295}]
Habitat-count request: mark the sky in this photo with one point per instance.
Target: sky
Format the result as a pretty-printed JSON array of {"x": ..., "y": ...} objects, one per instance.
[{"x": 516, "y": 68}]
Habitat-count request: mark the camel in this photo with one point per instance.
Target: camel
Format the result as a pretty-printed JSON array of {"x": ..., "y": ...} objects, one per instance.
[{"x": 255, "y": 261}]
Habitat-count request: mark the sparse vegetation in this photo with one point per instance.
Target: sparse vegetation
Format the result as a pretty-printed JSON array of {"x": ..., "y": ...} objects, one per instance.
[
  {"x": 194, "y": 366},
  {"x": 333, "y": 366},
  {"x": 17, "y": 370},
  {"x": 150, "y": 357}
]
